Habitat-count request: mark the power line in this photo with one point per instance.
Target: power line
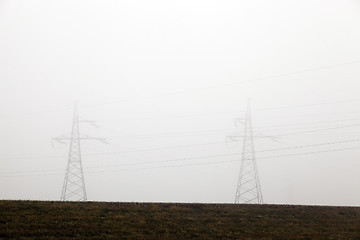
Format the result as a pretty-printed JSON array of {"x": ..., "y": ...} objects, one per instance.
[
  {"x": 174, "y": 116},
  {"x": 272, "y": 77},
  {"x": 224, "y": 131},
  {"x": 216, "y": 156},
  {"x": 167, "y": 160},
  {"x": 311, "y": 128},
  {"x": 310, "y": 145},
  {"x": 119, "y": 152},
  {"x": 198, "y": 164},
  {"x": 229, "y": 161},
  {"x": 155, "y": 149},
  {"x": 191, "y": 145},
  {"x": 39, "y": 157},
  {"x": 316, "y": 130},
  {"x": 309, "y": 153},
  {"x": 309, "y": 123},
  {"x": 227, "y": 84},
  {"x": 32, "y": 171},
  {"x": 175, "y": 147},
  {"x": 176, "y": 134},
  {"x": 223, "y": 113},
  {"x": 138, "y": 163},
  {"x": 190, "y": 115},
  {"x": 307, "y": 105},
  {"x": 259, "y": 151},
  {"x": 62, "y": 108},
  {"x": 221, "y": 132}
]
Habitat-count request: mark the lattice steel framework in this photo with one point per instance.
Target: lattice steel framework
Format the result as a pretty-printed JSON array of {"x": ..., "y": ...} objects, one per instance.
[
  {"x": 74, "y": 182},
  {"x": 248, "y": 187}
]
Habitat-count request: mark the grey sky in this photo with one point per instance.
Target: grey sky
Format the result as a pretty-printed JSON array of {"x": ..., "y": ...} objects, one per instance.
[{"x": 159, "y": 74}]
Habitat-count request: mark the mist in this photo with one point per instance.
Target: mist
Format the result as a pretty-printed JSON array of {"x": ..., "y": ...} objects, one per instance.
[{"x": 164, "y": 82}]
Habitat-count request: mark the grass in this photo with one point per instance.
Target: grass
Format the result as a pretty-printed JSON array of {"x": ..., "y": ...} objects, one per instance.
[{"x": 103, "y": 220}]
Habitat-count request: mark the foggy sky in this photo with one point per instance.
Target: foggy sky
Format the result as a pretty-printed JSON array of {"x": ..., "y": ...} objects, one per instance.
[{"x": 163, "y": 74}]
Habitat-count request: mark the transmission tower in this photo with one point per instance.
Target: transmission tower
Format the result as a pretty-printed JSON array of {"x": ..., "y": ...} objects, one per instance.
[
  {"x": 74, "y": 183},
  {"x": 248, "y": 187}
]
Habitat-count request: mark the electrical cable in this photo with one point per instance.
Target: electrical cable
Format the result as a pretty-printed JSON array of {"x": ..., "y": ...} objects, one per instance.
[
  {"x": 219, "y": 155},
  {"x": 221, "y": 132},
  {"x": 228, "y": 84},
  {"x": 190, "y": 164}
]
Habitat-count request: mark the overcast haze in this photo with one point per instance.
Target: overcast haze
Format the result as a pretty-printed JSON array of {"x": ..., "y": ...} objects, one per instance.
[{"x": 165, "y": 81}]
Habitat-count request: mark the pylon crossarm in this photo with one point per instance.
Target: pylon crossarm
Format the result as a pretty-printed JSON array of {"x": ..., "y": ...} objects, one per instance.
[
  {"x": 239, "y": 121},
  {"x": 103, "y": 140},
  {"x": 79, "y": 138},
  {"x": 93, "y": 123}
]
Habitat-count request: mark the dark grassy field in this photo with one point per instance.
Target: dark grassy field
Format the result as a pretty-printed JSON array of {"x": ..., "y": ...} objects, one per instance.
[{"x": 100, "y": 220}]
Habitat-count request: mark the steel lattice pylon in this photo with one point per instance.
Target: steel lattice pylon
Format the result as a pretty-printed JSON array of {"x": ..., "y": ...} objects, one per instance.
[
  {"x": 248, "y": 187},
  {"x": 74, "y": 183}
]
